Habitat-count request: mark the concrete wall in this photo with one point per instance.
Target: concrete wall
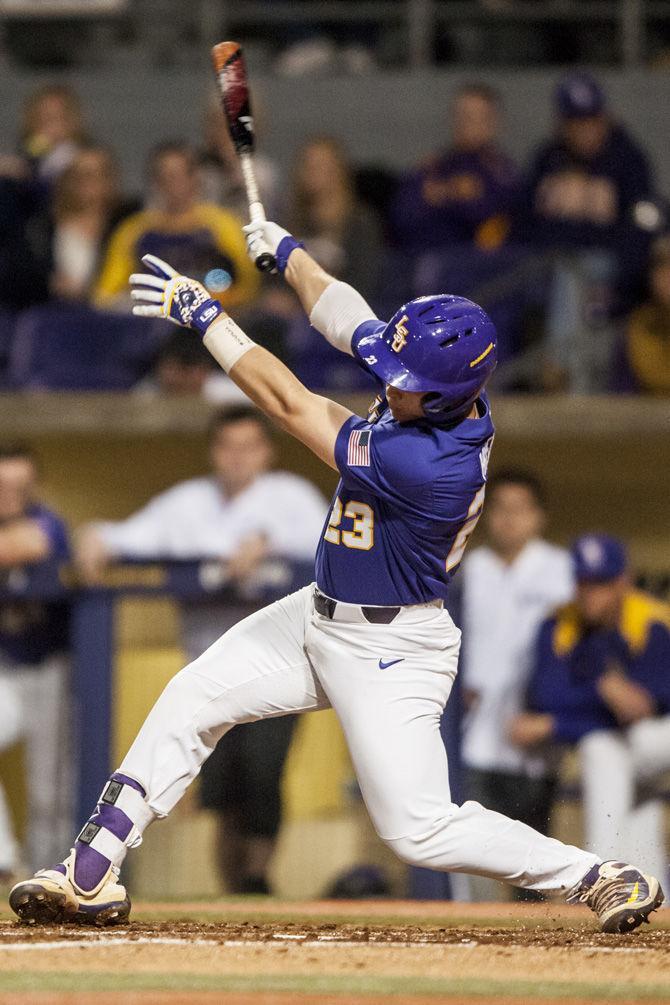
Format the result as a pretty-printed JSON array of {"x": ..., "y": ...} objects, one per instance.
[{"x": 393, "y": 119}]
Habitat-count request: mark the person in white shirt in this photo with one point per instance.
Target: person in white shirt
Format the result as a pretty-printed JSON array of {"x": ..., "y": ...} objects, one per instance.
[
  {"x": 243, "y": 517},
  {"x": 509, "y": 586}
]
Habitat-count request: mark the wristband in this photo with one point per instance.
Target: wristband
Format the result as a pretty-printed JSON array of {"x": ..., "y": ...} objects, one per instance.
[
  {"x": 284, "y": 249},
  {"x": 227, "y": 342},
  {"x": 206, "y": 313}
]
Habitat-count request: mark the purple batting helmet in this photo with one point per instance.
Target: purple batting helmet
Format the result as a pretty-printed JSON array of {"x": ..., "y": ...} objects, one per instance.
[{"x": 443, "y": 345}]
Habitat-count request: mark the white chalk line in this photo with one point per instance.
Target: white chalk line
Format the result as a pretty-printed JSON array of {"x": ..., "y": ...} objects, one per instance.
[
  {"x": 326, "y": 941},
  {"x": 93, "y": 943}
]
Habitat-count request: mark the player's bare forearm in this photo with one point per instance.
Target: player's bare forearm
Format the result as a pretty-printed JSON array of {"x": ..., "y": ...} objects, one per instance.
[
  {"x": 307, "y": 278},
  {"x": 22, "y": 541},
  {"x": 311, "y": 418},
  {"x": 316, "y": 421}
]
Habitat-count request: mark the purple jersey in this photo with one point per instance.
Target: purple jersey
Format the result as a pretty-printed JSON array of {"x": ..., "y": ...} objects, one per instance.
[
  {"x": 32, "y": 630},
  {"x": 407, "y": 501}
]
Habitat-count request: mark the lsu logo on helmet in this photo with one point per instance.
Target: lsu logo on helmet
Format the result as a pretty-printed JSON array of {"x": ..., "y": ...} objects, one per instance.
[{"x": 401, "y": 333}]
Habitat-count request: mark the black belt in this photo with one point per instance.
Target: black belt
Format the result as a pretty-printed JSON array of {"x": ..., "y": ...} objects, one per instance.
[{"x": 375, "y": 615}]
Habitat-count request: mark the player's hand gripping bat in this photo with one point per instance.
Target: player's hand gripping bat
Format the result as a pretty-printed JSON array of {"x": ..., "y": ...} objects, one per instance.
[{"x": 231, "y": 77}]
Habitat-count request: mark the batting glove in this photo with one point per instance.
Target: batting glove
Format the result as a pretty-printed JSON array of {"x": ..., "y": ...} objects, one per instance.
[
  {"x": 267, "y": 236},
  {"x": 166, "y": 294}
]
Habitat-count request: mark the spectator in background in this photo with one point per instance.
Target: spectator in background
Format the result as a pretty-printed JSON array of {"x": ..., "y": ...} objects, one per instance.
[
  {"x": 220, "y": 173},
  {"x": 51, "y": 133},
  {"x": 52, "y": 130},
  {"x": 508, "y": 587},
  {"x": 589, "y": 199},
  {"x": 241, "y": 515},
  {"x": 340, "y": 232},
  {"x": 34, "y": 698},
  {"x": 197, "y": 238},
  {"x": 87, "y": 207},
  {"x": 465, "y": 195},
  {"x": 648, "y": 329},
  {"x": 586, "y": 181},
  {"x": 183, "y": 367},
  {"x": 601, "y": 682}
]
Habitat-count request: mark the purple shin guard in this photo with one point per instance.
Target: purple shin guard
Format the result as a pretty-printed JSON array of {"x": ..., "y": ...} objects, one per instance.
[{"x": 90, "y": 866}]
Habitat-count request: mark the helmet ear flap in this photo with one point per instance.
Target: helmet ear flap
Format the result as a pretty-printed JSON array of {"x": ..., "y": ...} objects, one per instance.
[{"x": 444, "y": 410}]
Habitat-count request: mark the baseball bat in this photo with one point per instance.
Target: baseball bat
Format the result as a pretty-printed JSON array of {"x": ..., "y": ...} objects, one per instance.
[{"x": 231, "y": 78}]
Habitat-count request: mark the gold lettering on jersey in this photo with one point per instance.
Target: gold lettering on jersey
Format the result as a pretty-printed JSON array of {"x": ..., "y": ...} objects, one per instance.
[
  {"x": 374, "y": 409},
  {"x": 401, "y": 333}
]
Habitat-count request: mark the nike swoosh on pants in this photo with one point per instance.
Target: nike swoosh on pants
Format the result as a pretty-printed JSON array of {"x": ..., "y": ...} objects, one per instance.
[{"x": 385, "y": 666}]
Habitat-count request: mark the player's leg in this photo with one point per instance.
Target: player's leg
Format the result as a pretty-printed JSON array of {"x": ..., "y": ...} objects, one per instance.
[
  {"x": 649, "y": 744},
  {"x": 48, "y": 759},
  {"x": 241, "y": 783},
  {"x": 256, "y": 670},
  {"x": 266, "y": 748},
  {"x": 388, "y": 688},
  {"x": 11, "y": 728},
  {"x": 622, "y": 816},
  {"x": 608, "y": 791},
  {"x": 391, "y": 720}
]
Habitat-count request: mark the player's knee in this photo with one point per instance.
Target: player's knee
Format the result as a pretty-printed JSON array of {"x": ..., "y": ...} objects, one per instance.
[
  {"x": 186, "y": 695},
  {"x": 422, "y": 848}
]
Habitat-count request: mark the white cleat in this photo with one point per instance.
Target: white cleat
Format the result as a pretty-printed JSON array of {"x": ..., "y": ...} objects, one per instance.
[
  {"x": 52, "y": 898},
  {"x": 620, "y": 895}
]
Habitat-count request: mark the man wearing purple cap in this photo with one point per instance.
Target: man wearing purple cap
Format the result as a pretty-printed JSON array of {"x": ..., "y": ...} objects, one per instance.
[
  {"x": 587, "y": 178},
  {"x": 589, "y": 198},
  {"x": 601, "y": 682}
]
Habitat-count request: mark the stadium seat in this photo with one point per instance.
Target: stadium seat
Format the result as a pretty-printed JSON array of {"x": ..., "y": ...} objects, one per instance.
[{"x": 72, "y": 347}]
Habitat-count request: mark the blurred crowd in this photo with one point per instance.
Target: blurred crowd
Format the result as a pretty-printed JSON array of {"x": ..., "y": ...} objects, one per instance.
[{"x": 569, "y": 253}]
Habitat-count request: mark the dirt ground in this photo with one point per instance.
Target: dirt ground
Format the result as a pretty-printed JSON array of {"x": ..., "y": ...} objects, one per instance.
[{"x": 270, "y": 953}]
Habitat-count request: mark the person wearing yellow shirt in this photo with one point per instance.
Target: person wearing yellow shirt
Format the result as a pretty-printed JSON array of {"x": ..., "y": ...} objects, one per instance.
[{"x": 201, "y": 238}]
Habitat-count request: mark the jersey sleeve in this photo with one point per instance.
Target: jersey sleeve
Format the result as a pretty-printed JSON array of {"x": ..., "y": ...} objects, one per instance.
[
  {"x": 56, "y": 533},
  {"x": 372, "y": 327},
  {"x": 383, "y": 460}
]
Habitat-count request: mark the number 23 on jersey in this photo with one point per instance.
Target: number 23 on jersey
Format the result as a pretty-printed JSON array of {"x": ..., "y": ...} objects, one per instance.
[{"x": 362, "y": 534}]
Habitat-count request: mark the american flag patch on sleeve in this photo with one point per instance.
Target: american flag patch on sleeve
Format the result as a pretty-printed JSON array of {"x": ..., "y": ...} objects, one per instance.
[{"x": 358, "y": 454}]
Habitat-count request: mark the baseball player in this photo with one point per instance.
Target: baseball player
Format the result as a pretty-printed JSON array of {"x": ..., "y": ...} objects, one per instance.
[{"x": 371, "y": 638}]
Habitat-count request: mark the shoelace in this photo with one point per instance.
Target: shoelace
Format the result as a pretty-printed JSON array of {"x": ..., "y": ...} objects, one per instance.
[{"x": 604, "y": 894}]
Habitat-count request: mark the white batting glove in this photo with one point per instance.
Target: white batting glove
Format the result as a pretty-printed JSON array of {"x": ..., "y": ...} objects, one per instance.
[
  {"x": 265, "y": 237},
  {"x": 271, "y": 234},
  {"x": 166, "y": 294}
]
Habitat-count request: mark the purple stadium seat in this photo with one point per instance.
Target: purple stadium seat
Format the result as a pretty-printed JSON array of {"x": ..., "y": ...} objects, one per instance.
[{"x": 71, "y": 347}]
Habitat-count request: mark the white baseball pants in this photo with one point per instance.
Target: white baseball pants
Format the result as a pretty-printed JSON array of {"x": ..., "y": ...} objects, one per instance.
[
  {"x": 623, "y": 817},
  {"x": 287, "y": 658},
  {"x": 35, "y": 706}
]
